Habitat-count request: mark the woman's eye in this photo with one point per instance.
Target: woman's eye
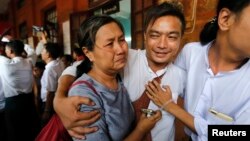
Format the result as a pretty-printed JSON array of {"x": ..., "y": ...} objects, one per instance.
[
  {"x": 122, "y": 40},
  {"x": 109, "y": 45}
]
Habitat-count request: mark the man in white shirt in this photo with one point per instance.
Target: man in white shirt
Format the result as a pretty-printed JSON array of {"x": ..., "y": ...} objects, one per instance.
[
  {"x": 52, "y": 72},
  {"x": 16, "y": 73},
  {"x": 2, "y": 121},
  {"x": 29, "y": 51}
]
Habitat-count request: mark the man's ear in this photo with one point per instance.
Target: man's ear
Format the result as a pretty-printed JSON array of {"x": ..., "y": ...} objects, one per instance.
[
  {"x": 88, "y": 54},
  {"x": 225, "y": 19}
]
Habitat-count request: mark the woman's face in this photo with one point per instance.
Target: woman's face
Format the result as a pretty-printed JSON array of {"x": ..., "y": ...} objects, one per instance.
[
  {"x": 110, "y": 49},
  {"x": 238, "y": 36}
]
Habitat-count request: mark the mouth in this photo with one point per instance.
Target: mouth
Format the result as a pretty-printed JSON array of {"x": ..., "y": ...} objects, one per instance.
[
  {"x": 121, "y": 59},
  {"x": 161, "y": 53}
]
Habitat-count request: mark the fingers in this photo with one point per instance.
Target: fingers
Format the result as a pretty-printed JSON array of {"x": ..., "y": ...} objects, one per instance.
[
  {"x": 168, "y": 90},
  {"x": 149, "y": 95},
  {"x": 80, "y": 132},
  {"x": 83, "y": 100},
  {"x": 157, "y": 115},
  {"x": 76, "y": 135},
  {"x": 149, "y": 91},
  {"x": 152, "y": 87},
  {"x": 87, "y": 118},
  {"x": 157, "y": 85}
]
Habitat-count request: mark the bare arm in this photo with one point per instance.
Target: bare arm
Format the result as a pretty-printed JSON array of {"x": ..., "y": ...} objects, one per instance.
[
  {"x": 162, "y": 98},
  {"x": 67, "y": 109},
  {"x": 144, "y": 126}
]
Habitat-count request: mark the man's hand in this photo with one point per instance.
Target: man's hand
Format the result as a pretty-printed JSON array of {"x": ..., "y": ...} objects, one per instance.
[{"x": 74, "y": 120}]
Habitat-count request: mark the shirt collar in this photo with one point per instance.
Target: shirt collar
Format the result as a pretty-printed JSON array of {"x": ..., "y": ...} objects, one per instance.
[{"x": 51, "y": 63}]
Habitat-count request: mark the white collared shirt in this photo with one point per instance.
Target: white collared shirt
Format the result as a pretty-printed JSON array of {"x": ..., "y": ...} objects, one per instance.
[
  {"x": 137, "y": 73},
  {"x": 226, "y": 92},
  {"x": 49, "y": 80},
  {"x": 16, "y": 75}
]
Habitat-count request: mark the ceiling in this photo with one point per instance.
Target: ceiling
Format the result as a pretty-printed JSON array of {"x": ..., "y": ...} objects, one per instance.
[{"x": 4, "y": 5}]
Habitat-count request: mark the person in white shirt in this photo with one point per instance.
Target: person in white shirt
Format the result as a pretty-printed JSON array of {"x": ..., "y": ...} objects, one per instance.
[
  {"x": 2, "y": 121},
  {"x": 20, "y": 115},
  {"x": 52, "y": 72},
  {"x": 29, "y": 51},
  {"x": 164, "y": 28},
  {"x": 43, "y": 39},
  {"x": 218, "y": 75},
  {"x": 78, "y": 56}
]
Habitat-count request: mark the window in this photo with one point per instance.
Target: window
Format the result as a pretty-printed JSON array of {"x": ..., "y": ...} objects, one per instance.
[
  {"x": 23, "y": 34},
  {"x": 138, "y": 11},
  {"x": 51, "y": 24}
]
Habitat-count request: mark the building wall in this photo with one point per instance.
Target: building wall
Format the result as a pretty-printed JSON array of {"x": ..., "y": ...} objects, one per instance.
[
  {"x": 33, "y": 10},
  {"x": 197, "y": 13}
]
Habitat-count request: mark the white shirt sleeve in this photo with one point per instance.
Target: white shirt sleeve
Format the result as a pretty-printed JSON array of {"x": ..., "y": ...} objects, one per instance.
[
  {"x": 30, "y": 53},
  {"x": 39, "y": 48},
  {"x": 70, "y": 70}
]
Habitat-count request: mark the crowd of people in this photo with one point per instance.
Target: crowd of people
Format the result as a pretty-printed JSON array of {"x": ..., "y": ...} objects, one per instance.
[
  {"x": 29, "y": 79},
  {"x": 101, "y": 95}
]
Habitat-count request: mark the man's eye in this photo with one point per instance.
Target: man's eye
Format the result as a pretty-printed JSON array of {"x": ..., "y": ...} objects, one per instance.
[
  {"x": 154, "y": 36},
  {"x": 173, "y": 37}
]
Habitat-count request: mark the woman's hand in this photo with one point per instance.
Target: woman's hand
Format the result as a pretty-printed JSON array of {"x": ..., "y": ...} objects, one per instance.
[
  {"x": 158, "y": 94},
  {"x": 144, "y": 126},
  {"x": 145, "y": 123}
]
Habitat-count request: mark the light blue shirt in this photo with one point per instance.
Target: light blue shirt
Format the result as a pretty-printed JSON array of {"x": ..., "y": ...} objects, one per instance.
[
  {"x": 226, "y": 92},
  {"x": 117, "y": 114}
]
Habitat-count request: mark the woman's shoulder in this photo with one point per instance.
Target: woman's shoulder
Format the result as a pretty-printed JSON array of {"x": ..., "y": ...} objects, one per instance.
[{"x": 83, "y": 84}]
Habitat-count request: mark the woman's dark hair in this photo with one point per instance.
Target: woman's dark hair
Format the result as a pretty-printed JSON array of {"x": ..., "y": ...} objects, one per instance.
[
  {"x": 68, "y": 58},
  {"x": 87, "y": 37},
  {"x": 165, "y": 9},
  {"x": 78, "y": 51},
  {"x": 16, "y": 46},
  {"x": 209, "y": 31}
]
